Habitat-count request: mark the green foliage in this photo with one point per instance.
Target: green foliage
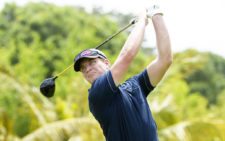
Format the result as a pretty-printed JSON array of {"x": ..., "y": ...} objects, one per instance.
[
  {"x": 194, "y": 130},
  {"x": 212, "y": 72},
  {"x": 78, "y": 128}
]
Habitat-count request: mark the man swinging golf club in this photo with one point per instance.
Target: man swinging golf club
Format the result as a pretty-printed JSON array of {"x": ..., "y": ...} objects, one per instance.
[{"x": 121, "y": 108}]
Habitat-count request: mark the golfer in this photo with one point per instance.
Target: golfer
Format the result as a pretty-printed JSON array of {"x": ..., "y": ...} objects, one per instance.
[{"x": 121, "y": 108}]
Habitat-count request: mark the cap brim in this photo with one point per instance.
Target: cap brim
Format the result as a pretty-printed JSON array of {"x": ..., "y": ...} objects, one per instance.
[{"x": 77, "y": 63}]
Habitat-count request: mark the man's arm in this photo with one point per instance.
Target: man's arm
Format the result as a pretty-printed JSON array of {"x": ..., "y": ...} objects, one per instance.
[
  {"x": 129, "y": 50},
  {"x": 159, "y": 66}
]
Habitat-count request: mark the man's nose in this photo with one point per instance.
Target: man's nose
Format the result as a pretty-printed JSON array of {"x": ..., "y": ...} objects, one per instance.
[{"x": 88, "y": 68}]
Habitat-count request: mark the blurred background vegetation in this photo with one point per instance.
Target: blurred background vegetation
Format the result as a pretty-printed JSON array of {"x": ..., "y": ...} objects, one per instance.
[{"x": 39, "y": 40}]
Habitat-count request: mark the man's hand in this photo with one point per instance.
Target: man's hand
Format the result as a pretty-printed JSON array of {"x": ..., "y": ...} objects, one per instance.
[
  {"x": 143, "y": 16},
  {"x": 153, "y": 10}
]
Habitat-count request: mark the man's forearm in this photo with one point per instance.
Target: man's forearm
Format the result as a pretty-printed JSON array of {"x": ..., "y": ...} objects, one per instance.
[
  {"x": 132, "y": 44},
  {"x": 157, "y": 68},
  {"x": 162, "y": 39}
]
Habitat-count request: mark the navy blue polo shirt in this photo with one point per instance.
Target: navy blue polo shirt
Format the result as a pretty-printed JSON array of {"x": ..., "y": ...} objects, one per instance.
[{"x": 123, "y": 111}]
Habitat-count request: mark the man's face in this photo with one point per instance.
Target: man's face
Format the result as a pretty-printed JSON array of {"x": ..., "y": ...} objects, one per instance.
[{"x": 93, "y": 68}]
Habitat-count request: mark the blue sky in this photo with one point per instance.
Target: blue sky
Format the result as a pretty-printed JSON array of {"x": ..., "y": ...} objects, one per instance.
[{"x": 198, "y": 24}]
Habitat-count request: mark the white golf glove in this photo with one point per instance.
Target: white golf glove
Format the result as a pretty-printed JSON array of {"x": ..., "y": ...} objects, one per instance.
[{"x": 153, "y": 10}]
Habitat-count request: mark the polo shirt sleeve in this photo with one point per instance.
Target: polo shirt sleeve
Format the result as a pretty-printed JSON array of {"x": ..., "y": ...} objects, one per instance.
[
  {"x": 144, "y": 82},
  {"x": 103, "y": 89}
]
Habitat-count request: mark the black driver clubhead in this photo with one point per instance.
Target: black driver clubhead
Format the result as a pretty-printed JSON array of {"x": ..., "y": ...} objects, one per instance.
[{"x": 47, "y": 87}]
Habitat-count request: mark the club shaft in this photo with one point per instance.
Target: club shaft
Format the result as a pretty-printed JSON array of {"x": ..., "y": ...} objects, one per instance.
[
  {"x": 108, "y": 39},
  {"x": 64, "y": 71},
  {"x": 118, "y": 32}
]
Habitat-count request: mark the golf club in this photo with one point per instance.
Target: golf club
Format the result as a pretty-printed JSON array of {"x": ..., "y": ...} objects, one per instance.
[{"x": 47, "y": 87}]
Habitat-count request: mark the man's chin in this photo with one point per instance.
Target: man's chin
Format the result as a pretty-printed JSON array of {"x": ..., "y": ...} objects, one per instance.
[{"x": 93, "y": 78}]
